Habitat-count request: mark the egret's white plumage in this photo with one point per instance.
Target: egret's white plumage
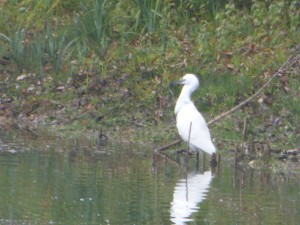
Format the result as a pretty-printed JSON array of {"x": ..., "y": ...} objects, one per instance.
[{"x": 190, "y": 123}]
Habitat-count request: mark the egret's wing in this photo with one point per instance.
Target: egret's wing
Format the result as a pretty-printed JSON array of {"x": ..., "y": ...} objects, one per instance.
[{"x": 193, "y": 129}]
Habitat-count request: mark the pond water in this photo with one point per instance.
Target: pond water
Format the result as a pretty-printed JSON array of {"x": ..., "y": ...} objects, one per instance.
[{"x": 49, "y": 181}]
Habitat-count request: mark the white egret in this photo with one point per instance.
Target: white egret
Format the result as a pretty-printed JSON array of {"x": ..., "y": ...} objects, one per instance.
[{"x": 189, "y": 121}]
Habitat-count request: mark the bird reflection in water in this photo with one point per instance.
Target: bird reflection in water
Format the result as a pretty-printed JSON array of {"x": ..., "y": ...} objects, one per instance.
[{"x": 188, "y": 193}]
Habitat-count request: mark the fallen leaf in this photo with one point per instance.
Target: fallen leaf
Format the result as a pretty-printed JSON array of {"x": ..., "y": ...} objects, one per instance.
[
  {"x": 60, "y": 88},
  {"x": 90, "y": 106},
  {"x": 22, "y": 77},
  {"x": 231, "y": 66},
  {"x": 228, "y": 54}
]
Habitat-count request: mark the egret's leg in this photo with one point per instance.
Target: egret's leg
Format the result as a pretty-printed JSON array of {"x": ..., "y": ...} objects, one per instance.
[
  {"x": 203, "y": 161},
  {"x": 197, "y": 163},
  {"x": 213, "y": 161}
]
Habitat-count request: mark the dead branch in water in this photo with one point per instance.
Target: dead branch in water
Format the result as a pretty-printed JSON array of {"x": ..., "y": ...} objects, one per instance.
[
  {"x": 294, "y": 58},
  {"x": 167, "y": 146}
]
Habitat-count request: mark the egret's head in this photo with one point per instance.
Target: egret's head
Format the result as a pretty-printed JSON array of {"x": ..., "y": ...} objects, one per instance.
[{"x": 190, "y": 80}]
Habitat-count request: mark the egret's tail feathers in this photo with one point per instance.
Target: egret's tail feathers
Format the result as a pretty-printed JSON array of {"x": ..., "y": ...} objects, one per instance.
[
  {"x": 212, "y": 149},
  {"x": 208, "y": 148}
]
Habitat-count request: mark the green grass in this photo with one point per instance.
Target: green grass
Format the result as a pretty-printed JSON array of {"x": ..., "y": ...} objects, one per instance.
[{"x": 233, "y": 49}]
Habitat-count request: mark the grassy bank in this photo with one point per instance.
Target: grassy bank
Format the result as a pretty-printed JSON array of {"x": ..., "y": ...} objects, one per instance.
[{"x": 109, "y": 65}]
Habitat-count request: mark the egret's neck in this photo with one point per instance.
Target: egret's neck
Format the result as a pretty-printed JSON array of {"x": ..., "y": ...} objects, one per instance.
[{"x": 184, "y": 98}]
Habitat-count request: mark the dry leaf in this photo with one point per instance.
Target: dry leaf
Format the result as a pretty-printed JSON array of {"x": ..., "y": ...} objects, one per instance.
[
  {"x": 230, "y": 66},
  {"x": 22, "y": 77}
]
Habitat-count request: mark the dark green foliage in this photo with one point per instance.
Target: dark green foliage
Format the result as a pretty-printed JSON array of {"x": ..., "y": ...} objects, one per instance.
[
  {"x": 148, "y": 14},
  {"x": 92, "y": 24}
]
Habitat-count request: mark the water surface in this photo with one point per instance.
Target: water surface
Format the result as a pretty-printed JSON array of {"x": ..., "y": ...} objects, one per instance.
[{"x": 49, "y": 181}]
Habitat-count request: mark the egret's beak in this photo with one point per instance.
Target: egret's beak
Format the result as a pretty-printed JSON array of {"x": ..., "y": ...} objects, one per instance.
[{"x": 181, "y": 81}]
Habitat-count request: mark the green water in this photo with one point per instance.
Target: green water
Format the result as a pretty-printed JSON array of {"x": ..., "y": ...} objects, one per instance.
[{"x": 43, "y": 181}]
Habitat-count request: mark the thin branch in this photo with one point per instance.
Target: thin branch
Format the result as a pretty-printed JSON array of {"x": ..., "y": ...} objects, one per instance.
[
  {"x": 188, "y": 143},
  {"x": 167, "y": 146},
  {"x": 244, "y": 134},
  {"x": 167, "y": 157},
  {"x": 290, "y": 62}
]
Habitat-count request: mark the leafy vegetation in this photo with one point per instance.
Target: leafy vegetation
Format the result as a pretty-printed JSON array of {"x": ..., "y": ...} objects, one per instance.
[{"x": 113, "y": 61}]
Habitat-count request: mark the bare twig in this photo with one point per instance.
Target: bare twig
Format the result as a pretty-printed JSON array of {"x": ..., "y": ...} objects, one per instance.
[
  {"x": 167, "y": 157},
  {"x": 251, "y": 145},
  {"x": 291, "y": 61},
  {"x": 244, "y": 135},
  {"x": 167, "y": 146},
  {"x": 188, "y": 143},
  {"x": 294, "y": 58}
]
